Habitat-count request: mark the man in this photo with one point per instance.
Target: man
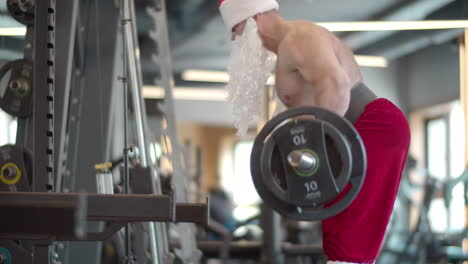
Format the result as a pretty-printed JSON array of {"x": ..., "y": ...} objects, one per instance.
[{"x": 314, "y": 68}]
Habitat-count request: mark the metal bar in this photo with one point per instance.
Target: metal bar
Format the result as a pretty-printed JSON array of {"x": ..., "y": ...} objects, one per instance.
[
  {"x": 101, "y": 207},
  {"x": 270, "y": 222},
  {"x": 158, "y": 241},
  {"x": 96, "y": 236},
  {"x": 164, "y": 60},
  {"x": 464, "y": 102},
  {"x": 161, "y": 36},
  {"x": 464, "y": 85},
  {"x": 237, "y": 250},
  {"x": 126, "y": 175},
  {"x": 193, "y": 213},
  {"x": 75, "y": 108},
  {"x": 19, "y": 207},
  {"x": 66, "y": 32},
  {"x": 16, "y": 223},
  {"x": 447, "y": 169},
  {"x": 43, "y": 94},
  {"x": 94, "y": 97},
  {"x": 253, "y": 250},
  {"x": 302, "y": 250},
  {"x": 41, "y": 253},
  {"x": 138, "y": 208},
  {"x": 137, "y": 98}
]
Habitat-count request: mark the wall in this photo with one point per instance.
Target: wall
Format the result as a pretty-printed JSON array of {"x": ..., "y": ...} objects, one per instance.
[
  {"x": 427, "y": 77},
  {"x": 384, "y": 82},
  {"x": 432, "y": 76},
  {"x": 210, "y": 139}
]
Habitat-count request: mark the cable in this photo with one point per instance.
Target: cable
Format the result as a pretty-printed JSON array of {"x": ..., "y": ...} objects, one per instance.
[{"x": 123, "y": 78}]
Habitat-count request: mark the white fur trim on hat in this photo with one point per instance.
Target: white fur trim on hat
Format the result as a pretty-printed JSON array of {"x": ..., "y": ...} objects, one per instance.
[{"x": 236, "y": 11}]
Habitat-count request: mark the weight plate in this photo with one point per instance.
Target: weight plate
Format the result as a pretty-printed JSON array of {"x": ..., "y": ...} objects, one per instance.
[
  {"x": 15, "y": 90},
  {"x": 22, "y": 12},
  {"x": 334, "y": 156},
  {"x": 14, "y": 169},
  {"x": 10, "y": 173},
  {"x": 5, "y": 256}
]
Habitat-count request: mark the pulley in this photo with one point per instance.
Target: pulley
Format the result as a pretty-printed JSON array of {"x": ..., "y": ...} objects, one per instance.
[
  {"x": 22, "y": 11},
  {"x": 303, "y": 159},
  {"x": 16, "y": 96}
]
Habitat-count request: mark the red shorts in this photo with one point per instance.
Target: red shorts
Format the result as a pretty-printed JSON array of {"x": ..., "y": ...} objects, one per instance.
[{"x": 356, "y": 234}]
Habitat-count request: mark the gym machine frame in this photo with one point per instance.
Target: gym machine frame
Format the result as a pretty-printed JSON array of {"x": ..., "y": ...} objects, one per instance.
[{"x": 68, "y": 213}]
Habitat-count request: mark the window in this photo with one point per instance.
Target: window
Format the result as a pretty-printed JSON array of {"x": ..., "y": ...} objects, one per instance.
[
  {"x": 445, "y": 141},
  {"x": 7, "y": 129},
  {"x": 240, "y": 185}
]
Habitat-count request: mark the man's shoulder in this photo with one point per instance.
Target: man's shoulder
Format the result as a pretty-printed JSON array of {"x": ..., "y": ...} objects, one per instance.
[
  {"x": 303, "y": 39},
  {"x": 304, "y": 27},
  {"x": 302, "y": 32},
  {"x": 290, "y": 54},
  {"x": 293, "y": 38}
]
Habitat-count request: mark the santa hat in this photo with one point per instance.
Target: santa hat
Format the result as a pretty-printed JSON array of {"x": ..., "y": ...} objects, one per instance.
[{"x": 236, "y": 11}]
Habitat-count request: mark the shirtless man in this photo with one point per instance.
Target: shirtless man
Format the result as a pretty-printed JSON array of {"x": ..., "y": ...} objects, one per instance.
[{"x": 314, "y": 68}]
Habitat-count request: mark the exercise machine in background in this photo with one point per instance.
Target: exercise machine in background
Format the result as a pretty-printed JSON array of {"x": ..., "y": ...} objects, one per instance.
[{"x": 75, "y": 111}]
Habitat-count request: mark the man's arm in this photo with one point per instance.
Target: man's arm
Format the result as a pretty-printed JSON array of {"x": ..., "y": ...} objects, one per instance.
[{"x": 312, "y": 55}]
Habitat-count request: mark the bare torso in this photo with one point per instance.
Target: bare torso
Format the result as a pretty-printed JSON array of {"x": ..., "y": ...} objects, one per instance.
[{"x": 315, "y": 68}]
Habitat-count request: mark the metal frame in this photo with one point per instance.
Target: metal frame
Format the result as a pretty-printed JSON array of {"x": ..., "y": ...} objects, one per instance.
[
  {"x": 43, "y": 94},
  {"x": 65, "y": 48},
  {"x": 91, "y": 106},
  {"x": 61, "y": 134},
  {"x": 254, "y": 250},
  {"x": 57, "y": 215},
  {"x": 464, "y": 101},
  {"x": 270, "y": 222},
  {"x": 160, "y": 35}
]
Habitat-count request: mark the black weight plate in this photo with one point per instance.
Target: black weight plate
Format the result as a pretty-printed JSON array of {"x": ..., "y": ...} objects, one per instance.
[
  {"x": 319, "y": 185},
  {"x": 21, "y": 158},
  {"x": 266, "y": 178},
  {"x": 11, "y": 101},
  {"x": 25, "y": 17}
]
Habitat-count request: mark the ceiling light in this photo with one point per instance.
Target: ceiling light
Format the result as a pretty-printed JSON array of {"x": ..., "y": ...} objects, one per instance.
[
  {"x": 205, "y": 76},
  {"x": 271, "y": 80},
  {"x": 223, "y": 77},
  {"x": 186, "y": 93},
  {"x": 12, "y": 31},
  {"x": 371, "y": 61},
  {"x": 394, "y": 25},
  {"x": 212, "y": 76}
]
